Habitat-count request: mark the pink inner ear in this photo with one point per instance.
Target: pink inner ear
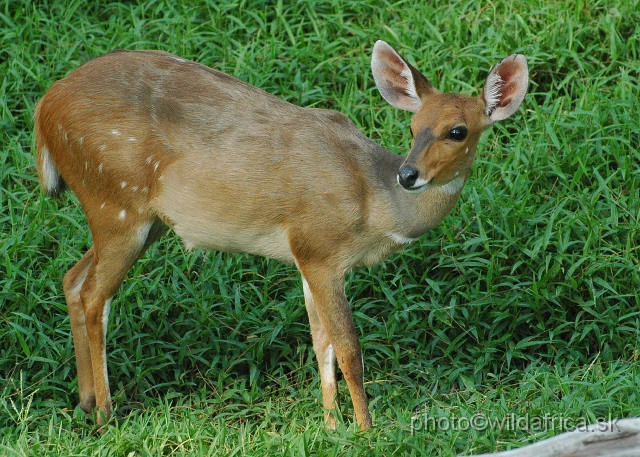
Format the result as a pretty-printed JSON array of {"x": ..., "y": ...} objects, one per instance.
[
  {"x": 392, "y": 70},
  {"x": 506, "y": 92},
  {"x": 509, "y": 72},
  {"x": 393, "y": 62},
  {"x": 506, "y": 87},
  {"x": 504, "y": 102},
  {"x": 394, "y": 78}
]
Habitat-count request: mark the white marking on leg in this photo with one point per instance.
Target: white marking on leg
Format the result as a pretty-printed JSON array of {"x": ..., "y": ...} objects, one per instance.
[
  {"x": 328, "y": 361},
  {"x": 105, "y": 321},
  {"x": 122, "y": 214},
  {"x": 306, "y": 290},
  {"x": 75, "y": 290},
  {"x": 329, "y": 366},
  {"x": 105, "y": 316}
]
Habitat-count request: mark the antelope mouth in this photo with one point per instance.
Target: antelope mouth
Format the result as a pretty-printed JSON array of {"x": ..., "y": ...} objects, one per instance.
[
  {"x": 409, "y": 178},
  {"x": 419, "y": 186}
]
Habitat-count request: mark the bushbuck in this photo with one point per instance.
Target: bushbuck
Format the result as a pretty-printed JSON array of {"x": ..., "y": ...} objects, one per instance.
[{"x": 150, "y": 141}]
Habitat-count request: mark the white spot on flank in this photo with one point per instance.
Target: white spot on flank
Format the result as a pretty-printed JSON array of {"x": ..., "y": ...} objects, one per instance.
[
  {"x": 141, "y": 210},
  {"x": 148, "y": 161},
  {"x": 454, "y": 186},
  {"x": 86, "y": 165},
  {"x": 122, "y": 214},
  {"x": 123, "y": 184},
  {"x": 116, "y": 132},
  {"x": 102, "y": 206},
  {"x": 134, "y": 188},
  {"x": 102, "y": 147},
  {"x": 155, "y": 167},
  {"x": 100, "y": 168},
  {"x": 400, "y": 239},
  {"x": 466, "y": 151},
  {"x": 132, "y": 139},
  {"x": 80, "y": 141},
  {"x": 145, "y": 190}
]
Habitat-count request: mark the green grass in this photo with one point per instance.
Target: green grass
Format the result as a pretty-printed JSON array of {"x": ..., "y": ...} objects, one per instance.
[{"x": 523, "y": 303}]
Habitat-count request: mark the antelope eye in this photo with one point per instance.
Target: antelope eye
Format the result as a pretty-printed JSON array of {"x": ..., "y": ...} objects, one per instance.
[{"x": 458, "y": 133}]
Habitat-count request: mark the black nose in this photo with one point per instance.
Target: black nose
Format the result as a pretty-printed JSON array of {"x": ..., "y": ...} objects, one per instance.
[{"x": 407, "y": 176}]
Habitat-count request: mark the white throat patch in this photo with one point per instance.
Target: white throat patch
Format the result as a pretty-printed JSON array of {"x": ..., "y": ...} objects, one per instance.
[{"x": 453, "y": 186}]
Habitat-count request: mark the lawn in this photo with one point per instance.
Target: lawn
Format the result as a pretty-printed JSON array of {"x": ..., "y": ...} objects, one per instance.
[{"x": 516, "y": 319}]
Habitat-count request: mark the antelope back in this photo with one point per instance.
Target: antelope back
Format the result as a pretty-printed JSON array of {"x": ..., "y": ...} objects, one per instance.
[{"x": 140, "y": 135}]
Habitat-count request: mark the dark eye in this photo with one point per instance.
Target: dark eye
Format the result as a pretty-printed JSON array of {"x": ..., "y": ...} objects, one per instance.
[{"x": 458, "y": 133}]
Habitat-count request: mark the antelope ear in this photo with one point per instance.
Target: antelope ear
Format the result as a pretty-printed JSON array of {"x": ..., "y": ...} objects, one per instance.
[
  {"x": 398, "y": 82},
  {"x": 506, "y": 87}
]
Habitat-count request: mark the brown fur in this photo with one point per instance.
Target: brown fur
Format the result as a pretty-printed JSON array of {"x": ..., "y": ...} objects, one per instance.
[{"x": 148, "y": 141}]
